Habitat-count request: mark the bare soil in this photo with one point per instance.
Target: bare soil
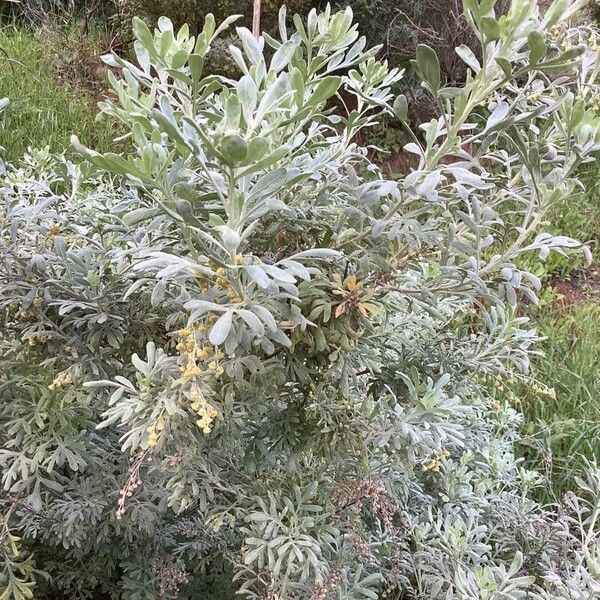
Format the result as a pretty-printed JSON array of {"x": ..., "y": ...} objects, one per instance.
[{"x": 582, "y": 285}]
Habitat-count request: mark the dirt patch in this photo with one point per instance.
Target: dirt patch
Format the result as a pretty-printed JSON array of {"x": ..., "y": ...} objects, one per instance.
[{"x": 582, "y": 285}]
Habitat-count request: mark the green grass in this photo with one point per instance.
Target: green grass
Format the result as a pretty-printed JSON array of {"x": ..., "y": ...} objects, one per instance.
[
  {"x": 563, "y": 432},
  {"x": 42, "y": 110}
]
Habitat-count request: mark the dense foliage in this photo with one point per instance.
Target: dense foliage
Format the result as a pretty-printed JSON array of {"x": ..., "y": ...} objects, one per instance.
[
  {"x": 241, "y": 353},
  {"x": 192, "y": 12}
]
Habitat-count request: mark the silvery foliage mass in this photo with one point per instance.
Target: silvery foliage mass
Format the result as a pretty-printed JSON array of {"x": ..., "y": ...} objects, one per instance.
[{"x": 240, "y": 350}]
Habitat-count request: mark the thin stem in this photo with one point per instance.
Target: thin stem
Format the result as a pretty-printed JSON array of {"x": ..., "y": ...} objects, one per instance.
[{"x": 256, "y": 18}]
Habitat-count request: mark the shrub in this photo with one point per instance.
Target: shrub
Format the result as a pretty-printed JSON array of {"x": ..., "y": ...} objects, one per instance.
[
  {"x": 400, "y": 26},
  {"x": 192, "y": 12},
  {"x": 241, "y": 350}
]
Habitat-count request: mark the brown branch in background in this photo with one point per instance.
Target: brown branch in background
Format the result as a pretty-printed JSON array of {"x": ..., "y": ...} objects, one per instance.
[{"x": 256, "y": 19}]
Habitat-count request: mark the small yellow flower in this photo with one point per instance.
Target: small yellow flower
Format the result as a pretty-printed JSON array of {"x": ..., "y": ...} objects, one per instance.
[
  {"x": 566, "y": 46},
  {"x": 154, "y": 431},
  {"x": 195, "y": 393},
  {"x": 189, "y": 372},
  {"x": 221, "y": 280},
  {"x": 61, "y": 380},
  {"x": 54, "y": 230},
  {"x": 216, "y": 368},
  {"x": 556, "y": 30},
  {"x": 436, "y": 461},
  {"x": 204, "y": 425},
  {"x": 203, "y": 352},
  {"x": 185, "y": 345},
  {"x": 205, "y": 411},
  {"x": 233, "y": 296}
]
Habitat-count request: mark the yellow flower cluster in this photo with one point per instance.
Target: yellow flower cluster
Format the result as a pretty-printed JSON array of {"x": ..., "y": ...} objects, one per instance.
[
  {"x": 556, "y": 30},
  {"x": 190, "y": 371},
  {"x": 61, "y": 380},
  {"x": 566, "y": 46},
  {"x": 535, "y": 97},
  {"x": 205, "y": 411},
  {"x": 233, "y": 296},
  {"x": 436, "y": 460},
  {"x": 154, "y": 432},
  {"x": 499, "y": 381},
  {"x": 216, "y": 368},
  {"x": 199, "y": 359},
  {"x": 53, "y": 231},
  {"x": 192, "y": 353},
  {"x": 203, "y": 282},
  {"x": 544, "y": 390},
  {"x": 34, "y": 339},
  {"x": 221, "y": 280},
  {"x": 187, "y": 337}
]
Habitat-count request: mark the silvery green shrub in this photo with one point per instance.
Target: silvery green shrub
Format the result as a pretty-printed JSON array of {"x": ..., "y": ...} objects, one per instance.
[{"x": 239, "y": 354}]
